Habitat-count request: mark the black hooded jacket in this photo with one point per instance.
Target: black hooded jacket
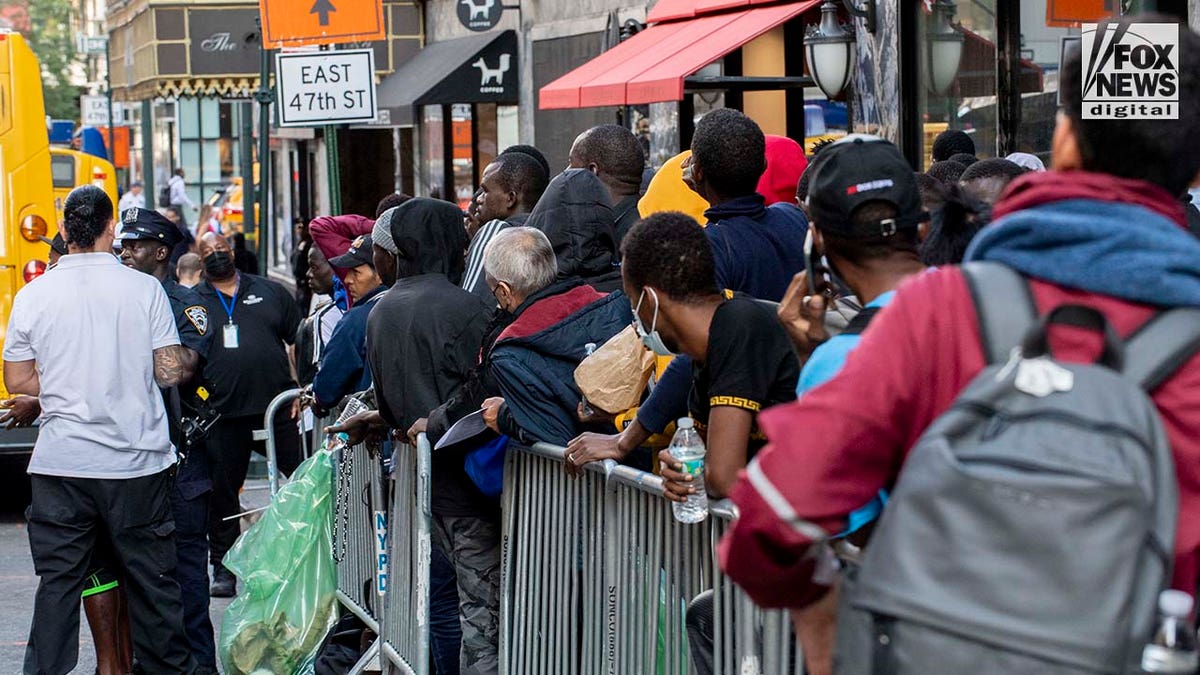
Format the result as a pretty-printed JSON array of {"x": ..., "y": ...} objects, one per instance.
[
  {"x": 430, "y": 237},
  {"x": 423, "y": 338},
  {"x": 576, "y": 217}
]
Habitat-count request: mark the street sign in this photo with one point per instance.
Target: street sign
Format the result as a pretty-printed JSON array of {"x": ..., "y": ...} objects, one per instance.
[
  {"x": 318, "y": 88},
  {"x": 91, "y": 44},
  {"x": 292, "y": 23},
  {"x": 93, "y": 111}
]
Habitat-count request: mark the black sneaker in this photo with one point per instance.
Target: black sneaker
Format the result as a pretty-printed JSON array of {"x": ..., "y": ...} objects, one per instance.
[{"x": 224, "y": 584}]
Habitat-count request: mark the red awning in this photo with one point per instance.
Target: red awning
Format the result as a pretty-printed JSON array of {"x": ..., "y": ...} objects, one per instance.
[
  {"x": 650, "y": 66},
  {"x": 668, "y": 10}
]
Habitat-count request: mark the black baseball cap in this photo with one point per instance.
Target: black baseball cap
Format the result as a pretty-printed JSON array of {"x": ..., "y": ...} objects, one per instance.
[
  {"x": 359, "y": 254},
  {"x": 57, "y": 244},
  {"x": 856, "y": 170},
  {"x": 139, "y": 224}
]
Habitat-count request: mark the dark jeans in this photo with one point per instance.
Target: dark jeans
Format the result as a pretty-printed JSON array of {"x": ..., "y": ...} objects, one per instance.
[
  {"x": 445, "y": 631},
  {"x": 229, "y": 445},
  {"x": 65, "y": 517},
  {"x": 189, "y": 503},
  {"x": 701, "y": 633}
]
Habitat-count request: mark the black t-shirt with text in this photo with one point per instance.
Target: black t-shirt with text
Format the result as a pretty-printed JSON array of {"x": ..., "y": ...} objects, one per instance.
[
  {"x": 245, "y": 378},
  {"x": 749, "y": 365}
]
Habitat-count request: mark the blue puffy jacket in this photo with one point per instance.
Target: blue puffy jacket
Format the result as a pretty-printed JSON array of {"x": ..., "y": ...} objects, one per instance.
[{"x": 534, "y": 359}]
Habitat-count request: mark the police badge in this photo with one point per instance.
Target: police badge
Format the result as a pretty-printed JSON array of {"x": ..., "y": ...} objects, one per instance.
[{"x": 198, "y": 315}]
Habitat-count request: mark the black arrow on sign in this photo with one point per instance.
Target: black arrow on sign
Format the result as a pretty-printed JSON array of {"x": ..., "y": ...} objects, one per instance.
[{"x": 322, "y": 8}]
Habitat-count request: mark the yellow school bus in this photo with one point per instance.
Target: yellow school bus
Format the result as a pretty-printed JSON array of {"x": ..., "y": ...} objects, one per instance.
[
  {"x": 26, "y": 191},
  {"x": 71, "y": 168}
]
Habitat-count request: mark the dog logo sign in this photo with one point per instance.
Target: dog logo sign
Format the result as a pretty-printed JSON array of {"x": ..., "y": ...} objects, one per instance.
[
  {"x": 479, "y": 15},
  {"x": 491, "y": 80}
]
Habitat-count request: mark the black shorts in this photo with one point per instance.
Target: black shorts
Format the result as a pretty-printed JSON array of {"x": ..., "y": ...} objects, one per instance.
[{"x": 102, "y": 570}]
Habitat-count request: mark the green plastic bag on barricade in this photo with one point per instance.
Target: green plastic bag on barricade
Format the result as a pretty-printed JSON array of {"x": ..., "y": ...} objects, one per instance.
[{"x": 287, "y": 599}]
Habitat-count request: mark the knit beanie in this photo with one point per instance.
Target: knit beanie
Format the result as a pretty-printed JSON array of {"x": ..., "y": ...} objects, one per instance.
[{"x": 381, "y": 234}]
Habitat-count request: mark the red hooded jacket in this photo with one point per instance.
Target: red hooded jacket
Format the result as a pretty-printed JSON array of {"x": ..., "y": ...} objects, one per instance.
[{"x": 834, "y": 449}]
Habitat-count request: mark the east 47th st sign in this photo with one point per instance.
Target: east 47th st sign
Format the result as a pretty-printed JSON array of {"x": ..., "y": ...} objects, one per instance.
[
  {"x": 318, "y": 88},
  {"x": 294, "y": 23}
]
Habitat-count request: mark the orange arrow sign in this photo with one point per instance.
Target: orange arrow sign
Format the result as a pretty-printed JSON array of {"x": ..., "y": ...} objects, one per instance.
[{"x": 293, "y": 23}]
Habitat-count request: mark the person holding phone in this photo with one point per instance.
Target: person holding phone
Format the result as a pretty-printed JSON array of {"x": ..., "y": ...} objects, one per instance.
[{"x": 866, "y": 221}]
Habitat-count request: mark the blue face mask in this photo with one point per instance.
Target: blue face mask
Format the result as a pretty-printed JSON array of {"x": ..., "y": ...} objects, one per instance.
[{"x": 652, "y": 340}]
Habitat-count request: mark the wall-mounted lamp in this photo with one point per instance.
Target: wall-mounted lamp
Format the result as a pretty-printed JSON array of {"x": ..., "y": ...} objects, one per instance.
[
  {"x": 945, "y": 48},
  {"x": 830, "y": 50}
]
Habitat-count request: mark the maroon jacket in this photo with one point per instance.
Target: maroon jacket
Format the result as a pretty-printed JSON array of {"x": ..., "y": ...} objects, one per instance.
[
  {"x": 334, "y": 234},
  {"x": 834, "y": 449}
]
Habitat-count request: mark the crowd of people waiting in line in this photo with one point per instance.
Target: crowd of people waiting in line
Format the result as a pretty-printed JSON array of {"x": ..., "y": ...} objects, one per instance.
[{"x": 808, "y": 402}]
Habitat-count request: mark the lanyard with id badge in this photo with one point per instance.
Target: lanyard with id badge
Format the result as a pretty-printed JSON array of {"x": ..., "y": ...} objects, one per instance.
[{"x": 230, "y": 329}]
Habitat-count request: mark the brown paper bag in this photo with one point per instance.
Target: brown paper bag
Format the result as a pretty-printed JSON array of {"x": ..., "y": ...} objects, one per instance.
[{"x": 614, "y": 376}]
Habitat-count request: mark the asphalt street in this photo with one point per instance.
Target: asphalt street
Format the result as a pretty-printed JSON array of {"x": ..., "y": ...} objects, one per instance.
[{"x": 18, "y": 582}]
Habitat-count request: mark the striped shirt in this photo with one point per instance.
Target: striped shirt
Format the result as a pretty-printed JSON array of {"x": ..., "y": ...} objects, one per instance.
[{"x": 473, "y": 279}]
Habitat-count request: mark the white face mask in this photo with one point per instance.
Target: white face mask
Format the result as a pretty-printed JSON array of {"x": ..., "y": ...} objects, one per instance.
[{"x": 651, "y": 339}]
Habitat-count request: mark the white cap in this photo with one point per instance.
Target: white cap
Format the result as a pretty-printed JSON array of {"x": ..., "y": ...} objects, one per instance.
[
  {"x": 1026, "y": 160},
  {"x": 685, "y": 423},
  {"x": 1175, "y": 603}
]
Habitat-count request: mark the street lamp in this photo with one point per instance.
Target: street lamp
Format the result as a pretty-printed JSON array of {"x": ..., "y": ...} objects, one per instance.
[
  {"x": 830, "y": 47},
  {"x": 945, "y": 48}
]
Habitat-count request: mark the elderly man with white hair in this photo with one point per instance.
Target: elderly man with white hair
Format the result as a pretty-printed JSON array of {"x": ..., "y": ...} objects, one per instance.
[{"x": 533, "y": 359}]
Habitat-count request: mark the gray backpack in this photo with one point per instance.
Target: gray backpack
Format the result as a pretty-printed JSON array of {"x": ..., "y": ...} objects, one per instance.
[{"x": 1032, "y": 526}]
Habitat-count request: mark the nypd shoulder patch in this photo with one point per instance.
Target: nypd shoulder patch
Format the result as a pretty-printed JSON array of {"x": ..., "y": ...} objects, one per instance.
[{"x": 198, "y": 315}]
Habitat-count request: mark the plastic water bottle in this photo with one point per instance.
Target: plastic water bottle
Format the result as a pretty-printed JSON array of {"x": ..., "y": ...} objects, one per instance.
[
  {"x": 687, "y": 447},
  {"x": 588, "y": 350},
  {"x": 1174, "y": 647}
]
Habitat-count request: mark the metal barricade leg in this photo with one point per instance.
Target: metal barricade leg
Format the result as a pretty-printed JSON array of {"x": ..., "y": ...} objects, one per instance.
[
  {"x": 267, "y": 435},
  {"x": 404, "y": 625}
]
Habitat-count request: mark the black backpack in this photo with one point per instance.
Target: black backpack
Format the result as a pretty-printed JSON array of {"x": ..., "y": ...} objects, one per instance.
[{"x": 164, "y": 196}]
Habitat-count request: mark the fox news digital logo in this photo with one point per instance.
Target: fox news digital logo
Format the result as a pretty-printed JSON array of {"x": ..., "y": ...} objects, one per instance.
[{"x": 1130, "y": 71}]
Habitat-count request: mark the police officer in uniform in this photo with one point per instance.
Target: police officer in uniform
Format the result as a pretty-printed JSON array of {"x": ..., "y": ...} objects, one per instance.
[{"x": 147, "y": 240}]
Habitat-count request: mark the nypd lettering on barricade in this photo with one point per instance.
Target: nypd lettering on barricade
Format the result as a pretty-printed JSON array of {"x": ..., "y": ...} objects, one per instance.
[
  {"x": 1130, "y": 72},
  {"x": 326, "y": 87}
]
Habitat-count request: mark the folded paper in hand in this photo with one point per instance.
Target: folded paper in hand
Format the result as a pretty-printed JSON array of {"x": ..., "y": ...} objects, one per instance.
[{"x": 465, "y": 429}]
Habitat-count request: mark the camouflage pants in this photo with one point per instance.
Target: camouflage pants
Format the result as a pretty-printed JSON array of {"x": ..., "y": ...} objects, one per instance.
[{"x": 473, "y": 544}]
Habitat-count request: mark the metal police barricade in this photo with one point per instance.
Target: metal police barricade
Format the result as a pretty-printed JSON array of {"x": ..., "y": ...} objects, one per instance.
[
  {"x": 359, "y": 531},
  {"x": 746, "y": 638},
  {"x": 552, "y": 617},
  {"x": 654, "y": 566},
  {"x": 267, "y": 435},
  {"x": 404, "y": 626}
]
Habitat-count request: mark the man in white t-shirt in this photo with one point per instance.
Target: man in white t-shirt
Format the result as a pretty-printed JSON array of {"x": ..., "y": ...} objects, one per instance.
[{"x": 94, "y": 341}]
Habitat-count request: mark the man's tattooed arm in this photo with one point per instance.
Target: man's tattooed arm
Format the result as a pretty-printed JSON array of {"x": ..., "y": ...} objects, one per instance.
[{"x": 174, "y": 365}]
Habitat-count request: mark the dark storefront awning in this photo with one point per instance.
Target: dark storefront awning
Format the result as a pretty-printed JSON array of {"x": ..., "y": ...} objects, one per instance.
[
  {"x": 475, "y": 69},
  {"x": 651, "y": 66}
]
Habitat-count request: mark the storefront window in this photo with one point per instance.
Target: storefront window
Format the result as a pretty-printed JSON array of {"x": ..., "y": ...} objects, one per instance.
[
  {"x": 508, "y": 131},
  {"x": 969, "y": 102},
  {"x": 433, "y": 173},
  {"x": 1042, "y": 37},
  {"x": 486, "y": 143},
  {"x": 208, "y": 147},
  {"x": 464, "y": 166}
]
